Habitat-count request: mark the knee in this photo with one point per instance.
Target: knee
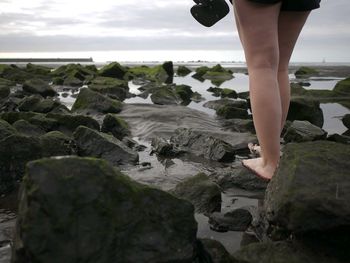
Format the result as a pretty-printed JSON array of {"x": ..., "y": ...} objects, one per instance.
[{"x": 268, "y": 58}]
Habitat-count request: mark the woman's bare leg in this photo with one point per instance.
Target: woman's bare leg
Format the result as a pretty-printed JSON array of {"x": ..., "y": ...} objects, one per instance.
[
  {"x": 290, "y": 25},
  {"x": 258, "y": 29}
]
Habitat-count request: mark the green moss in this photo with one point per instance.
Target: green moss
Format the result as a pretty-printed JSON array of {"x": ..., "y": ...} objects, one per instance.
[
  {"x": 306, "y": 72},
  {"x": 343, "y": 86}
]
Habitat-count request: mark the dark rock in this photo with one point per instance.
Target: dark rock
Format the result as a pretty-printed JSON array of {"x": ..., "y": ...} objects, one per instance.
[
  {"x": 25, "y": 128},
  {"x": 239, "y": 125},
  {"x": 91, "y": 102},
  {"x": 56, "y": 143},
  {"x": 183, "y": 71},
  {"x": 43, "y": 122},
  {"x": 303, "y": 131},
  {"x": 68, "y": 123},
  {"x": 82, "y": 209},
  {"x": 101, "y": 145},
  {"x": 168, "y": 67},
  {"x": 346, "y": 120},
  {"x": 204, "y": 194},
  {"x": 216, "y": 251},
  {"x": 12, "y": 117},
  {"x": 238, "y": 176},
  {"x": 216, "y": 104},
  {"x": 58, "y": 81},
  {"x": 184, "y": 91},
  {"x": 215, "y": 90},
  {"x": 236, "y": 220},
  {"x": 75, "y": 70},
  {"x": 339, "y": 138},
  {"x": 72, "y": 81},
  {"x": 231, "y": 112},
  {"x": 197, "y": 97},
  {"x": 156, "y": 74},
  {"x": 203, "y": 145},
  {"x": 343, "y": 87},
  {"x": 305, "y": 72},
  {"x": 110, "y": 86},
  {"x": 38, "y": 86},
  {"x": 37, "y": 69},
  {"x": 164, "y": 148},
  {"x": 305, "y": 109},
  {"x": 165, "y": 96},
  {"x": 228, "y": 93},
  {"x": 116, "y": 126},
  {"x": 15, "y": 152},
  {"x": 113, "y": 70},
  {"x": 16, "y": 74},
  {"x": 4, "y": 92},
  {"x": 310, "y": 190},
  {"x": 36, "y": 103},
  {"x": 6, "y": 129},
  {"x": 282, "y": 251}
]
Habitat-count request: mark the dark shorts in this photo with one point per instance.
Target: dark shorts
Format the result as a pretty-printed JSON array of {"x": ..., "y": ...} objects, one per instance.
[{"x": 293, "y": 5}]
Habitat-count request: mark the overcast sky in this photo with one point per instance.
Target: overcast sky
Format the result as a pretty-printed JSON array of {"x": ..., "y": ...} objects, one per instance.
[{"x": 106, "y": 25}]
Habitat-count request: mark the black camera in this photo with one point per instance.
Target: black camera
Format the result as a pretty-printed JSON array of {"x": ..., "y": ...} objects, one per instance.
[{"x": 208, "y": 12}]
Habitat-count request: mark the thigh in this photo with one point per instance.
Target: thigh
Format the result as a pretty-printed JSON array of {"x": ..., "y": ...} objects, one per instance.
[
  {"x": 290, "y": 25},
  {"x": 258, "y": 30}
]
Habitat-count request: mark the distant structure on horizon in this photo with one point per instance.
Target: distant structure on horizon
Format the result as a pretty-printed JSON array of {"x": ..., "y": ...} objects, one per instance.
[{"x": 46, "y": 60}]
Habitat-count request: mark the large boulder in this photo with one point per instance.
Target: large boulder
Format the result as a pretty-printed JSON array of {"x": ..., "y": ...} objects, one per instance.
[
  {"x": 204, "y": 194},
  {"x": 306, "y": 109},
  {"x": 15, "y": 152},
  {"x": 113, "y": 70},
  {"x": 38, "y": 86},
  {"x": 82, "y": 209},
  {"x": 303, "y": 131},
  {"x": 236, "y": 220},
  {"x": 26, "y": 128},
  {"x": 91, "y": 102},
  {"x": 310, "y": 190},
  {"x": 101, "y": 145},
  {"x": 38, "y": 69},
  {"x": 165, "y": 95},
  {"x": 204, "y": 145},
  {"x": 159, "y": 73}
]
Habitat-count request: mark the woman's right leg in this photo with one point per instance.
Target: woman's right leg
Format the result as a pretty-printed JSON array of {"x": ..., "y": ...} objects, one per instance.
[{"x": 258, "y": 29}]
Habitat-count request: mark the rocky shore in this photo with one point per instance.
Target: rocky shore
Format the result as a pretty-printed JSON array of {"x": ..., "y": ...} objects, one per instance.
[{"x": 109, "y": 181}]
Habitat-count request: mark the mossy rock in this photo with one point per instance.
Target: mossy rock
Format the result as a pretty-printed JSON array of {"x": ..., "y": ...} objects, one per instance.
[
  {"x": 231, "y": 112},
  {"x": 55, "y": 143},
  {"x": 6, "y": 129},
  {"x": 183, "y": 71},
  {"x": 16, "y": 74},
  {"x": 12, "y": 117},
  {"x": 113, "y": 70},
  {"x": 157, "y": 73},
  {"x": 90, "y": 102},
  {"x": 38, "y": 86},
  {"x": 72, "y": 81},
  {"x": 67, "y": 123},
  {"x": 304, "y": 72},
  {"x": 165, "y": 95},
  {"x": 112, "y": 87},
  {"x": 204, "y": 194},
  {"x": 303, "y": 131},
  {"x": 43, "y": 122},
  {"x": 83, "y": 209},
  {"x": 28, "y": 103},
  {"x": 343, "y": 87},
  {"x": 215, "y": 251},
  {"x": 4, "y": 92},
  {"x": 58, "y": 81},
  {"x": 311, "y": 188},
  {"x": 101, "y": 145},
  {"x": 38, "y": 69},
  {"x": 71, "y": 69},
  {"x": 184, "y": 92},
  {"x": 306, "y": 109},
  {"x": 15, "y": 151},
  {"x": 25, "y": 128},
  {"x": 116, "y": 126},
  {"x": 215, "y": 90},
  {"x": 228, "y": 93}
]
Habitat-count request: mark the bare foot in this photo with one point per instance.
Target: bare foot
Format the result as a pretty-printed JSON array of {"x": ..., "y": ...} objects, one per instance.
[{"x": 256, "y": 164}]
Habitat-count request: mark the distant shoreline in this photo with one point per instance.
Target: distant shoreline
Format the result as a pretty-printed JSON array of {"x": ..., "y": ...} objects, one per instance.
[{"x": 45, "y": 60}]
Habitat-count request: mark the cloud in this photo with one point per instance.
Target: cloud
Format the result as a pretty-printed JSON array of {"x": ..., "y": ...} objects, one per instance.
[{"x": 65, "y": 25}]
